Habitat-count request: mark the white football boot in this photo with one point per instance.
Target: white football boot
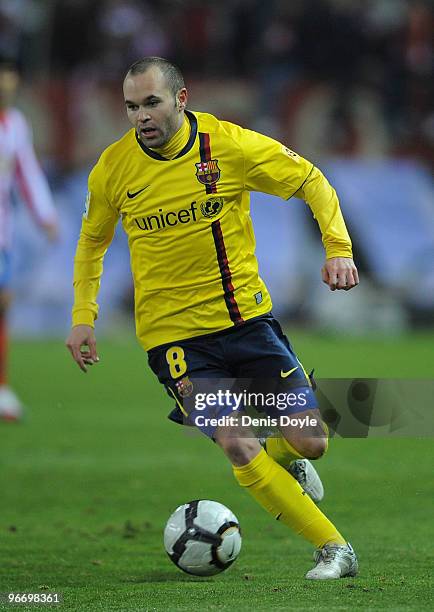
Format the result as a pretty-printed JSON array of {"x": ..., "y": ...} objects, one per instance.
[
  {"x": 11, "y": 408},
  {"x": 333, "y": 561},
  {"x": 307, "y": 476}
]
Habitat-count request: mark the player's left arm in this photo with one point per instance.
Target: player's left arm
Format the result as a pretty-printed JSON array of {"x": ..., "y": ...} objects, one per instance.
[
  {"x": 32, "y": 182},
  {"x": 339, "y": 270},
  {"x": 272, "y": 168},
  {"x": 340, "y": 273}
]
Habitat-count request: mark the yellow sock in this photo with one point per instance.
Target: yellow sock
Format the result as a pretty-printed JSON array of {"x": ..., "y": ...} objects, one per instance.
[
  {"x": 283, "y": 452},
  {"x": 281, "y": 495}
]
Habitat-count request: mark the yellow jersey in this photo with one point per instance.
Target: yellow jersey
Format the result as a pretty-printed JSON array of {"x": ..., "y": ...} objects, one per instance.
[{"x": 189, "y": 229}]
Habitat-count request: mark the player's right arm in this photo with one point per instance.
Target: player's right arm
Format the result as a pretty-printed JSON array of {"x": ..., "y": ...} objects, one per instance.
[
  {"x": 82, "y": 336},
  {"x": 97, "y": 231}
]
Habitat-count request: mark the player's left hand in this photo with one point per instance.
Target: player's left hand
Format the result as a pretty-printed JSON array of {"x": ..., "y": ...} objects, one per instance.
[{"x": 340, "y": 273}]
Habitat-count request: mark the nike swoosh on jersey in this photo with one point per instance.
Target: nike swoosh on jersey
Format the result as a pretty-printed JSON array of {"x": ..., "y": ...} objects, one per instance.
[
  {"x": 136, "y": 193},
  {"x": 286, "y": 374}
]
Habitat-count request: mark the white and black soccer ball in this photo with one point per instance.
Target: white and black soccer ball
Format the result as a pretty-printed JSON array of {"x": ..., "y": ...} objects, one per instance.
[{"x": 202, "y": 537}]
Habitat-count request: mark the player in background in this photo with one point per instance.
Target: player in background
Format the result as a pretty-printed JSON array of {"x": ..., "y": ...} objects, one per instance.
[
  {"x": 19, "y": 168},
  {"x": 180, "y": 182}
]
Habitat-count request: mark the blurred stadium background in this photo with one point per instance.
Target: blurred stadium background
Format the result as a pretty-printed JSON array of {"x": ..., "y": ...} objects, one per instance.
[
  {"x": 89, "y": 477},
  {"x": 345, "y": 83}
]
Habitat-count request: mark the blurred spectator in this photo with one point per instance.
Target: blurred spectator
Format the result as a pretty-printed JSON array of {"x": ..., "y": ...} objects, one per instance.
[
  {"x": 21, "y": 22},
  {"x": 18, "y": 168},
  {"x": 126, "y": 30},
  {"x": 72, "y": 36},
  {"x": 357, "y": 58}
]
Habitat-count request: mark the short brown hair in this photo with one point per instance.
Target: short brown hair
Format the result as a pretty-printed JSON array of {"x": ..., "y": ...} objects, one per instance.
[{"x": 173, "y": 75}]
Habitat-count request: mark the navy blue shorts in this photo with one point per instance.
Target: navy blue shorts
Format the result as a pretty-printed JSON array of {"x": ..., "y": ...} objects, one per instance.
[{"x": 256, "y": 351}]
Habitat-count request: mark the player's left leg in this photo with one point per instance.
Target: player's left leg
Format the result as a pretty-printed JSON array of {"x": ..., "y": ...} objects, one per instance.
[
  {"x": 263, "y": 351},
  {"x": 275, "y": 488},
  {"x": 298, "y": 466},
  {"x": 265, "y": 354},
  {"x": 295, "y": 447},
  {"x": 282, "y": 496}
]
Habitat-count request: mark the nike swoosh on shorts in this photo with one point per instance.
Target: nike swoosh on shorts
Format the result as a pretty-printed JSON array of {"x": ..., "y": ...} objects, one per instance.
[{"x": 286, "y": 374}]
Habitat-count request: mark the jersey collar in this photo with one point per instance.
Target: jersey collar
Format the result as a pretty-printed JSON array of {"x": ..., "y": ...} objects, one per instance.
[{"x": 185, "y": 149}]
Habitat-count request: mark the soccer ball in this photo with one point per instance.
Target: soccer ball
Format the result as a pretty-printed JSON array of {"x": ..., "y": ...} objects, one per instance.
[{"x": 202, "y": 537}]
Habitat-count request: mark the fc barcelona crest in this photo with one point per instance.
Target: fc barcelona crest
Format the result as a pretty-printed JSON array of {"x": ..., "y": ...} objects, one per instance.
[
  {"x": 184, "y": 387},
  {"x": 208, "y": 172}
]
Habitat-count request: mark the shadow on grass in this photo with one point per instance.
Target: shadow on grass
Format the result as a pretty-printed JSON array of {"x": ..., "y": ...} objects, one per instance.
[{"x": 159, "y": 576}]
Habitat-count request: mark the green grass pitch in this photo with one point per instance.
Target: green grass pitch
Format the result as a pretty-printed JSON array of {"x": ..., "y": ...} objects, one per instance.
[{"x": 88, "y": 480}]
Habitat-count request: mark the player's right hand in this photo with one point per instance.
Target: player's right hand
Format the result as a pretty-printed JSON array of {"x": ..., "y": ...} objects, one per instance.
[{"x": 82, "y": 336}]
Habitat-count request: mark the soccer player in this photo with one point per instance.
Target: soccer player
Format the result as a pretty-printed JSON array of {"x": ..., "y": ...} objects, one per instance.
[
  {"x": 180, "y": 182},
  {"x": 18, "y": 167}
]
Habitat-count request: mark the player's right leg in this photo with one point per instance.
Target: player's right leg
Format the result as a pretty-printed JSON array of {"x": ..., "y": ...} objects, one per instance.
[{"x": 10, "y": 405}]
